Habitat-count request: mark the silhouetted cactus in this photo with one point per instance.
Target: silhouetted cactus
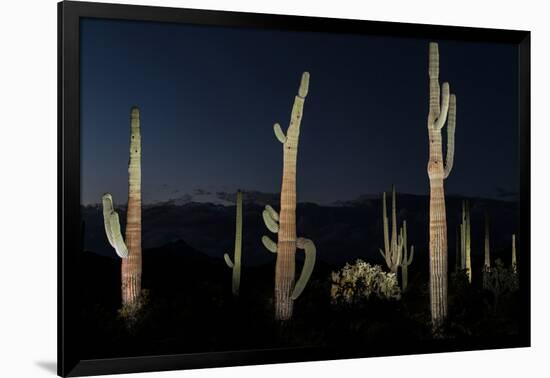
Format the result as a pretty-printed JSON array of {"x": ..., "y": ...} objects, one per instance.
[
  {"x": 438, "y": 171},
  {"x": 285, "y": 224},
  {"x": 236, "y": 265}
]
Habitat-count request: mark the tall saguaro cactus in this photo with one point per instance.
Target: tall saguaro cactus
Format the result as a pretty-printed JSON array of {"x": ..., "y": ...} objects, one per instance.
[
  {"x": 441, "y": 104},
  {"x": 466, "y": 240},
  {"x": 285, "y": 224},
  {"x": 130, "y": 251},
  {"x": 236, "y": 264}
]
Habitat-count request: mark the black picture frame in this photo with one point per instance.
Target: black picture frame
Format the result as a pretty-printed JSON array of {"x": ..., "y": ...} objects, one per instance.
[{"x": 69, "y": 240}]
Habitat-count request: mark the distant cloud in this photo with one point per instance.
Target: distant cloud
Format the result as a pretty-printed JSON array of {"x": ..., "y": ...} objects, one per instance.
[{"x": 201, "y": 192}]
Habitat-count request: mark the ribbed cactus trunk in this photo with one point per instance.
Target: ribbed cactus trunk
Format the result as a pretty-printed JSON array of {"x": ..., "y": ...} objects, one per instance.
[
  {"x": 437, "y": 172},
  {"x": 285, "y": 268},
  {"x": 131, "y": 266}
]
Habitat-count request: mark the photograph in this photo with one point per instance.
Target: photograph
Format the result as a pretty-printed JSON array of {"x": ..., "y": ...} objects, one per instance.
[{"x": 248, "y": 188}]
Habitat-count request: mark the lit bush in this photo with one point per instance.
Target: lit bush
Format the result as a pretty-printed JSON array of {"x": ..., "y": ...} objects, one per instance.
[{"x": 358, "y": 282}]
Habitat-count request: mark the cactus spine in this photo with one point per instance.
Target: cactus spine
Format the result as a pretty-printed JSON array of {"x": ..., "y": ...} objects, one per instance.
[
  {"x": 438, "y": 171},
  {"x": 285, "y": 224},
  {"x": 236, "y": 265},
  {"x": 466, "y": 240},
  {"x": 393, "y": 248},
  {"x": 129, "y": 251},
  {"x": 407, "y": 260}
]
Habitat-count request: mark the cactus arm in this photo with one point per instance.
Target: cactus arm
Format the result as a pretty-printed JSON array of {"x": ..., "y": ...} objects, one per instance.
[
  {"x": 410, "y": 260},
  {"x": 433, "y": 71},
  {"x": 440, "y": 122},
  {"x": 385, "y": 256},
  {"x": 304, "y": 85},
  {"x": 270, "y": 223},
  {"x": 279, "y": 133},
  {"x": 112, "y": 227},
  {"x": 310, "y": 254},
  {"x": 400, "y": 247},
  {"x": 228, "y": 260},
  {"x": 451, "y": 126},
  {"x": 272, "y": 212},
  {"x": 269, "y": 244},
  {"x": 118, "y": 241},
  {"x": 108, "y": 209}
]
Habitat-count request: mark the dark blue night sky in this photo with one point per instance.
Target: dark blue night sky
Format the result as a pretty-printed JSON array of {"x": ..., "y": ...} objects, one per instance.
[{"x": 210, "y": 95}]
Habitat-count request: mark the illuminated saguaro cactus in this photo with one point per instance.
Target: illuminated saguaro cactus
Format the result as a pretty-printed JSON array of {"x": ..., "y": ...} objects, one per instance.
[
  {"x": 285, "y": 224},
  {"x": 438, "y": 171},
  {"x": 236, "y": 264},
  {"x": 130, "y": 251}
]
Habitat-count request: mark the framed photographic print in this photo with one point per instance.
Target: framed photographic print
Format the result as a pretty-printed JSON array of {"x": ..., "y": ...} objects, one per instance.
[{"x": 241, "y": 188}]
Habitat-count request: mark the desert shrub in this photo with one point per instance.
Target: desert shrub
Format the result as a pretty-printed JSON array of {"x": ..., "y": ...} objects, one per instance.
[
  {"x": 360, "y": 281},
  {"x": 500, "y": 281}
]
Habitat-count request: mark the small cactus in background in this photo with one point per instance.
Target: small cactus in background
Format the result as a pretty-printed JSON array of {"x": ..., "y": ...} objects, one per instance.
[
  {"x": 406, "y": 261},
  {"x": 487, "y": 260},
  {"x": 514, "y": 257},
  {"x": 393, "y": 248},
  {"x": 358, "y": 282},
  {"x": 465, "y": 241},
  {"x": 487, "y": 244},
  {"x": 286, "y": 291},
  {"x": 236, "y": 265}
]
